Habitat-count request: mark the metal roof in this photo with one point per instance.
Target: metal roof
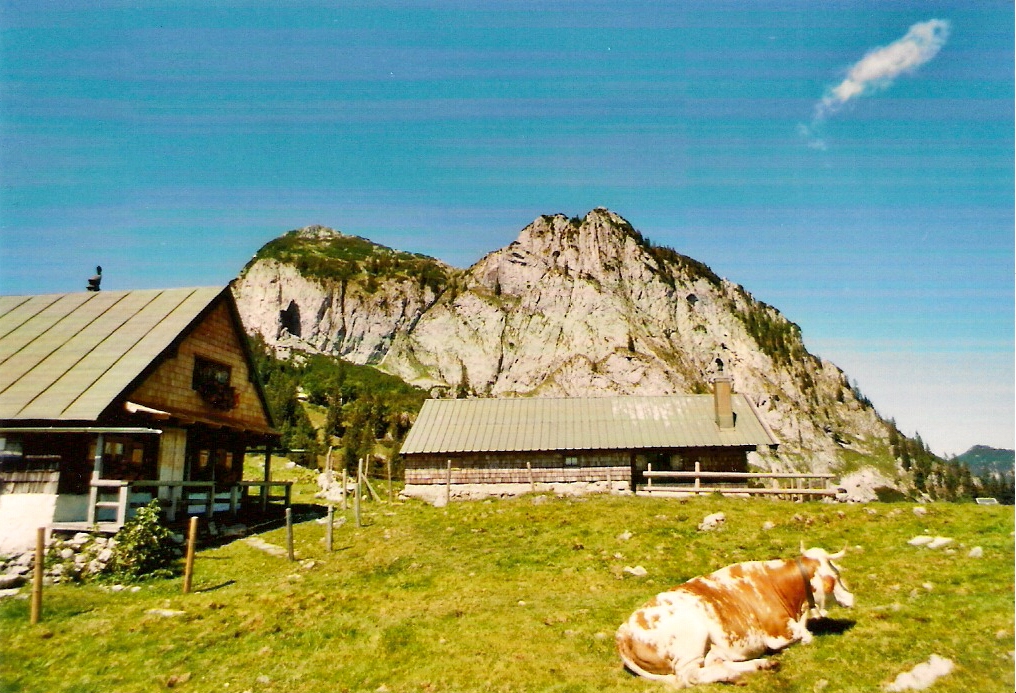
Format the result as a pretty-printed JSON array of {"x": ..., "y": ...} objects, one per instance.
[
  {"x": 593, "y": 423},
  {"x": 66, "y": 357}
]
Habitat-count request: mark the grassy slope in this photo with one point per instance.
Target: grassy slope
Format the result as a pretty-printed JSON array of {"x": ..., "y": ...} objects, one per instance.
[{"x": 516, "y": 596}]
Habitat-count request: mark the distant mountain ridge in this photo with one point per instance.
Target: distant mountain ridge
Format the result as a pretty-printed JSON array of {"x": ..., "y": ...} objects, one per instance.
[
  {"x": 982, "y": 460},
  {"x": 575, "y": 306}
]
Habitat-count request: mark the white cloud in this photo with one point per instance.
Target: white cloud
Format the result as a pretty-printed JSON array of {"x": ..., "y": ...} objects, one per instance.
[{"x": 877, "y": 70}]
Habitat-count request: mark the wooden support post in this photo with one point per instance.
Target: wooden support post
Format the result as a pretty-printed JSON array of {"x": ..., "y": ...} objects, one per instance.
[
  {"x": 370, "y": 487},
  {"x": 330, "y": 528},
  {"x": 345, "y": 480},
  {"x": 388, "y": 465},
  {"x": 448, "y": 484},
  {"x": 532, "y": 479},
  {"x": 356, "y": 492},
  {"x": 289, "y": 534},
  {"x": 698, "y": 479},
  {"x": 188, "y": 569},
  {"x": 610, "y": 482},
  {"x": 649, "y": 477},
  {"x": 121, "y": 505},
  {"x": 40, "y": 559}
]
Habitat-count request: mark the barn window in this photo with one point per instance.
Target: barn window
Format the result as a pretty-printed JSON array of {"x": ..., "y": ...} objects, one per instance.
[
  {"x": 211, "y": 380},
  {"x": 571, "y": 461}
]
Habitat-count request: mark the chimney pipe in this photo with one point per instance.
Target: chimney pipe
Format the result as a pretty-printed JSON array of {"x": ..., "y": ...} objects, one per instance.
[{"x": 721, "y": 401}]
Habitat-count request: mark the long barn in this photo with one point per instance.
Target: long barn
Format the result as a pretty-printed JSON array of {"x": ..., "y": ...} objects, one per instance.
[{"x": 594, "y": 439}]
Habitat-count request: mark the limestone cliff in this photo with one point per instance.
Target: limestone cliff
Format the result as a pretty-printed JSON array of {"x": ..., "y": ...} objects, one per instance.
[
  {"x": 579, "y": 306},
  {"x": 316, "y": 289}
]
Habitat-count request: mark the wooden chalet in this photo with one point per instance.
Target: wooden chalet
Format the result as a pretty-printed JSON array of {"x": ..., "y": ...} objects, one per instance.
[
  {"x": 594, "y": 439},
  {"x": 111, "y": 398}
]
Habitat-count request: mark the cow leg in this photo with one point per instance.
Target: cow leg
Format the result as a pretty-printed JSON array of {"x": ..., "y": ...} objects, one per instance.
[{"x": 727, "y": 671}]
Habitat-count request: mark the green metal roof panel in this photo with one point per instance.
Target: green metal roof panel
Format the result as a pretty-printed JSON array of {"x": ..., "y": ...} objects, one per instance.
[
  {"x": 595, "y": 423},
  {"x": 68, "y": 356}
]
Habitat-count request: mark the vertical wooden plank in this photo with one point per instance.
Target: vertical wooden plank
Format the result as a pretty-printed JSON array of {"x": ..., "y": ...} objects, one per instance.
[
  {"x": 356, "y": 491},
  {"x": 649, "y": 477},
  {"x": 40, "y": 557},
  {"x": 448, "y": 484},
  {"x": 289, "y": 534},
  {"x": 329, "y": 530},
  {"x": 698, "y": 479},
  {"x": 188, "y": 569}
]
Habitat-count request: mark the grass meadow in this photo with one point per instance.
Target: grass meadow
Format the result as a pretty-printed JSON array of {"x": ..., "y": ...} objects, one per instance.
[{"x": 522, "y": 595}]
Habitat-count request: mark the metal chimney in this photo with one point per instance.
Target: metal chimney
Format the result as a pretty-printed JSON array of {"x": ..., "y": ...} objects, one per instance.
[
  {"x": 721, "y": 400},
  {"x": 93, "y": 282}
]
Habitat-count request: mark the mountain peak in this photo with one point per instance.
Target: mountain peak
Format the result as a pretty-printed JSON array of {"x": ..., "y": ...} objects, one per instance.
[{"x": 317, "y": 232}]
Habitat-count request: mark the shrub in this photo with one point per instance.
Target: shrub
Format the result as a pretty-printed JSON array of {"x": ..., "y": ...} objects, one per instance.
[{"x": 145, "y": 548}]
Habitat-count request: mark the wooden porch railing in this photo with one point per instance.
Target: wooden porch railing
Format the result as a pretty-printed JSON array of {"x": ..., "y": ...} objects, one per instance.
[
  {"x": 183, "y": 498},
  {"x": 798, "y": 488}
]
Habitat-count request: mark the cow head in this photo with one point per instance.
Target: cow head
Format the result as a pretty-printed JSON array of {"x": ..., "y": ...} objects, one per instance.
[{"x": 826, "y": 579}]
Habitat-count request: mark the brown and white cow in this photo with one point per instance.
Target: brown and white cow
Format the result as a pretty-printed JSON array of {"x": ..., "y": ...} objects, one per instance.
[{"x": 713, "y": 628}]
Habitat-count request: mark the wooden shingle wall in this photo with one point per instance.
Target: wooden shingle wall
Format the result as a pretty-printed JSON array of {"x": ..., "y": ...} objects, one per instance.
[{"x": 170, "y": 389}]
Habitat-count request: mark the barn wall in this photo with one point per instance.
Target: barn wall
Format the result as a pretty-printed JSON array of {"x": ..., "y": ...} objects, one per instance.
[{"x": 506, "y": 468}]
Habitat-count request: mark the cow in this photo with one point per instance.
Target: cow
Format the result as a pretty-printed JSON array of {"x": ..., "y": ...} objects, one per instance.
[{"x": 715, "y": 628}]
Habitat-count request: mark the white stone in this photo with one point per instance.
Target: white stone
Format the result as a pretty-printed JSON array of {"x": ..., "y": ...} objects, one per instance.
[
  {"x": 921, "y": 540},
  {"x": 712, "y": 522},
  {"x": 921, "y": 676},
  {"x": 975, "y": 552},
  {"x": 637, "y": 571},
  {"x": 939, "y": 542}
]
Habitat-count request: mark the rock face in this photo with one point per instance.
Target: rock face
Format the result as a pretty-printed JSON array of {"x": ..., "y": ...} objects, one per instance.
[
  {"x": 573, "y": 307},
  {"x": 338, "y": 306}
]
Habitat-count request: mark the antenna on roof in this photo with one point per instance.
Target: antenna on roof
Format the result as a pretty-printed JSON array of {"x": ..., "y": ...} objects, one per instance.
[{"x": 93, "y": 282}]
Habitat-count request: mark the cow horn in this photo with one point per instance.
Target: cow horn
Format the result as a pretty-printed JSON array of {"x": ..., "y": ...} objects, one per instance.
[
  {"x": 839, "y": 555},
  {"x": 802, "y": 547}
]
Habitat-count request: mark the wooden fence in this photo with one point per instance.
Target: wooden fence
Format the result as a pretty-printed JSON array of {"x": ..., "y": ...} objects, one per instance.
[{"x": 803, "y": 484}]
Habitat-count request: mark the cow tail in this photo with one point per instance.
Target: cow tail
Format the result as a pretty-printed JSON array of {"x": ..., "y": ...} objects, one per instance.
[{"x": 631, "y": 660}]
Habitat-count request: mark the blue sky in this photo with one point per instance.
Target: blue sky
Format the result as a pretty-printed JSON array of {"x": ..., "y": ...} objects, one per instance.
[{"x": 850, "y": 163}]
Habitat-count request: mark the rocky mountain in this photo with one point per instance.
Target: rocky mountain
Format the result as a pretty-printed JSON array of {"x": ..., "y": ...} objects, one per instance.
[{"x": 575, "y": 306}]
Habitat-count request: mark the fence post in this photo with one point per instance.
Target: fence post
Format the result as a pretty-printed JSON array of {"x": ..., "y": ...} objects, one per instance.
[
  {"x": 698, "y": 479},
  {"x": 649, "y": 477},
  {"x": 331, "y": 527},
  {"x": 388, "y": 464},
  {"x": 345, "y": 479},
  {"x": 448, "y": 484},
  {"x": 188, "y": 570},
  {"x": 289, "y": 534},
  {"x": 356, "y": 491},
  {"x": 40, "y": 556},
  {"x": 532, "y": 481}
]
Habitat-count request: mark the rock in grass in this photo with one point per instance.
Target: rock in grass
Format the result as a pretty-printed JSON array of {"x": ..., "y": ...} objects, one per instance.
[
  {"x": 975, "y": 552},
  {"x": 711, "y": 522},
  {"x": 637, "y": 571},
  {"x": 921, "y": 540},
  {"x": 939, "y": 542},
  {"x": 921, "y": 676}
]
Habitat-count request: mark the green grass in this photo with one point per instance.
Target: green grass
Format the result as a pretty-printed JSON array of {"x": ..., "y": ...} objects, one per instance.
[{"x": 514, "y": 596}]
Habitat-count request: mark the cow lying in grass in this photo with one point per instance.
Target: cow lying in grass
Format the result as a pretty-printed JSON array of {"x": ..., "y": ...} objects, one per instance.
[{"x": 713, "y": 628}]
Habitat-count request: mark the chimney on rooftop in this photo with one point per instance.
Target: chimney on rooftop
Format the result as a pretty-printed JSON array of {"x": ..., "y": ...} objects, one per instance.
[
  {"x": 721, "y": 401},
  {"x": 93, "y": 282}
]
